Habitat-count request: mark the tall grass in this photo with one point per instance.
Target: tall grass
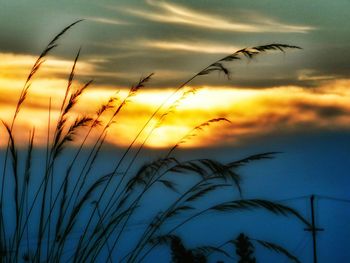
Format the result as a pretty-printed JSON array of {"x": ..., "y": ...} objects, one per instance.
[
  {"x": 243, "y": 245},
  {"x": 73, "y": 213}
]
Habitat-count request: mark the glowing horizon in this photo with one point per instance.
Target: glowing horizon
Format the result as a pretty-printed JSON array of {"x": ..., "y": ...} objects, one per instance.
[{"x": 252, "y": 112}]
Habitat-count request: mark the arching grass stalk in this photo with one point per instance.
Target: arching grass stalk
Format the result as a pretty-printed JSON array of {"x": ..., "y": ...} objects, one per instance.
[
  {"x": 93, "y": 154},
  {"x": 193, "y": 166},
  {"x": 156, "y": 166},
  {"x": 134, "y": 158},
  {"x": 60, "y": 140},
  {"x": 131, "y": 93},
  {"x": 238, "y": 205},
  {"x": 64, "y": 206},
  {"x": 190, "y": 167},
  {"x": 52, "y": 155},
  {"x": 64, "y": 183},
  {"x": 216, "y": 66},
  {"x": 25, "y": 188},
  {"x": 204, "y": 71},
  {"x": 133, "y": 206},
  {"x": 195, "y": 192},
  {"x": 115, "y": 209},
  {"x": 23, "y": 95}
]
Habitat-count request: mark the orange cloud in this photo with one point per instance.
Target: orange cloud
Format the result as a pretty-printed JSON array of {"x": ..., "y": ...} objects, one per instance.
[{"x": 252, "y": 112}]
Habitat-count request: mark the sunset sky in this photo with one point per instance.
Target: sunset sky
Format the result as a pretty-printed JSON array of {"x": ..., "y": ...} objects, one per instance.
[
  {"x": 300, "y": 90},
  {"x": 296, "y": 102}
]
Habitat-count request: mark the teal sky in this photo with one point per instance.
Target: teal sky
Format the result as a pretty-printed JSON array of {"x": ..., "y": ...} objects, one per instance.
[
  {"x": 174, "y": 39},
  {"x": 123, "y": 40}
]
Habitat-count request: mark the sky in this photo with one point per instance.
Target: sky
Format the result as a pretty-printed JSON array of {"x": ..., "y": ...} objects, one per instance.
[
  {"x": 295, "y": 101},
  {"x": 122, "y": 41}
]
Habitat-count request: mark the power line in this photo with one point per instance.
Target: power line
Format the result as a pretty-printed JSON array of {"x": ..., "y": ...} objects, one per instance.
[
  {"x": 293, "y": 198},
  {"x": 333, "y": 198},
  {"x": 301, "y": 245},
  {"x": 296, "y": 247},
  {"x": 316, "y": 195},
  {"x": 180, "y": 217}
]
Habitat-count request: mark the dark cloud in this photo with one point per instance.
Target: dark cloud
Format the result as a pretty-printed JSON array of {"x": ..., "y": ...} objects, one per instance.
[
  {"x": 122, "y": 37},
  {"x": 323, "y": 111}
]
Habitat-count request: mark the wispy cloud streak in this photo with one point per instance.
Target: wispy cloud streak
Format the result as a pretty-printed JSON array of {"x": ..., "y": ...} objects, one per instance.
[
  {"x": 173, "y": 13},
  {"x": 194, "y": 46},
  {"x": 108, "y": 21}
]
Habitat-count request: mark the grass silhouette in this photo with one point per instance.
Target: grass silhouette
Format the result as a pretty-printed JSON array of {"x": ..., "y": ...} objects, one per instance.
[{"x": 74, "y": 198}]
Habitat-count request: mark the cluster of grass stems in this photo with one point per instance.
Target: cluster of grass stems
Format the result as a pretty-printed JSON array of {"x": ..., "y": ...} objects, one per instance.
[{"x": 71, "y": 199}]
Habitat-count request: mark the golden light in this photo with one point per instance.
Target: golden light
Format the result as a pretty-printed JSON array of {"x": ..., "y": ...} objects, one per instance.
[{"x": 251, "y": 111}]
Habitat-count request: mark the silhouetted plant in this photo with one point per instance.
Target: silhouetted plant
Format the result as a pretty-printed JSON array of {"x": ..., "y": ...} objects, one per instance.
[
  {"x": 243, "y": 245},
  {"x": 179, "y": 254},
  {"x": 244, "y": 249},
  {"x": 100, "y": 206}
]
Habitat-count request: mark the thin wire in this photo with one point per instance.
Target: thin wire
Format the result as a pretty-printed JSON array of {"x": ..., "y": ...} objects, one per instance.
[
  {"x": 180, "y": 217},
  {"x": 293, "y": 198},
  {"x": 299, "y": 245},
  {"x": 302, "y": 247},
  {"x": 333, "y": 198}
]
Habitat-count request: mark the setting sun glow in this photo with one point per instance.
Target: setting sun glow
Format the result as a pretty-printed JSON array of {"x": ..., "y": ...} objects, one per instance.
[{"x": 250, "y": 110}]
